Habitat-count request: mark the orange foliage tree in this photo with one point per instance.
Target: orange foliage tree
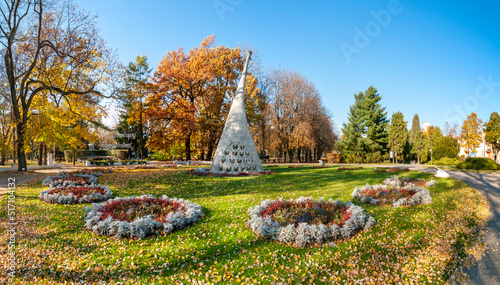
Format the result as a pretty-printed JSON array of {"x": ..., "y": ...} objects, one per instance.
[
  {"x": 471, "y": 135},
  {"x": 191, "y": 97}
]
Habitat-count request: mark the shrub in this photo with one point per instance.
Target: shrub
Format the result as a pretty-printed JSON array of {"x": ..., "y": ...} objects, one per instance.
[
  {"x": 120, "y": 153},
  {"x": 479, "y": 163},
  {"x": 161, "y": 155},
  {"x": 447, "y": 161},
  {"x": 68, "y": 153}
]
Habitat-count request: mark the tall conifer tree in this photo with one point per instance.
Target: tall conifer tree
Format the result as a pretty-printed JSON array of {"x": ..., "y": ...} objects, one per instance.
[{"x": 366, "y": 129}]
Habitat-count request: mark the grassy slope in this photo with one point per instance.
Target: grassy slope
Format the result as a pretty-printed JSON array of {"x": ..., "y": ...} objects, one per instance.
[{"x": 424, "y": 244}]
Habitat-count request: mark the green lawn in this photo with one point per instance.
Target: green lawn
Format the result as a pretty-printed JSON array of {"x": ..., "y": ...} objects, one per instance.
[{"x": 423, "y": 244}]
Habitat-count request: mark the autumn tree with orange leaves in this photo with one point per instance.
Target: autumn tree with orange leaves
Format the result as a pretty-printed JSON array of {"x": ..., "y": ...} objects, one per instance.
[
  {"x": 300, "y": 126},
  {"x": 192, "y": 95}
]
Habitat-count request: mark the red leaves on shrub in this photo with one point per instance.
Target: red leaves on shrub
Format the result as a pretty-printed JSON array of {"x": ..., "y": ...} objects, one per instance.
[
  {"x": 266, "y": 172},
  {"x": 349, "y": 168},
  {"x": 292, "y": 212},
  {"x": 391, "y": 169},
  {"x": 389, "y": 196},
  {"x": 129, "y": 210}
]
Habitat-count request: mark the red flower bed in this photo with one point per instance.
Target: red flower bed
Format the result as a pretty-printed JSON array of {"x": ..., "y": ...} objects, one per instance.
[
  {"x": 314, "y": 213},
  {"x": 129, "y": 210},
  {"x": 349, "y": 168},
  {"x": 391, "y": 169},
  {"x": 387, "y": 197},
  {"x": 78, "y": 191},
  {"x": 274, "y": 165},
  {"x": 319, "y": 166},
  {"x": 193, "y": 172},
  {"x": 295, "y": 166}
]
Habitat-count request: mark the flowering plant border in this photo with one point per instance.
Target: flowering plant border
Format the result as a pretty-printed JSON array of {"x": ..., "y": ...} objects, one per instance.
[
  {"x": 58, "y": 198},
  {"x": 376, "y": 170},
  {"x": 348, "y": 168},
  {"x": 306, "y": 234},
  {"x": 421, "y": 197},
  {"x": 63, "y": 182},
  {"x": 405, "y": 181},
  {"x": 205, "y": 171},
  {"x": 58, "y": 179},
  {"x": 142, "y": 227}
]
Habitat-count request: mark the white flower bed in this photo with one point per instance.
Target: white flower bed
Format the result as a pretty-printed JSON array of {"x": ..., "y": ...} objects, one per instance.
[
  {"x": 57, "y": 180},
  {"x": 142, "y": 226},
  {"x": 405, "y": 181},
  {"x": 70, "y": 198},
  {"x": 422, "y": 195},
  {"x": 305, "y": 234}
]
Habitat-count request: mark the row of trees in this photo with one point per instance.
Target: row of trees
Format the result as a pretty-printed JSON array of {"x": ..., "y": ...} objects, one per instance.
[
  {"x": 369, "y": 137},
  {"x": 58, "y": 70}
]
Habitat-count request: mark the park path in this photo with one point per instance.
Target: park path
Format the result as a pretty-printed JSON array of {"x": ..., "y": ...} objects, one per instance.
[
  {"x": 21, "y": 177},
  {"x": 487, "y": 270}
]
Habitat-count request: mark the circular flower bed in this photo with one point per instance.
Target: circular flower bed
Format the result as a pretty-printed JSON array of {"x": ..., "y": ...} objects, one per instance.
[
  {"x": 306, "y": 221},
  {"x": 405, "y": 181},
  {"x": 141, "y": 216},
  {"x": 76, "y": 194},
  {"x": 50, "y": 181},
  {"x": 409, "y": 195},
  {"x": 68, "y": 181}
]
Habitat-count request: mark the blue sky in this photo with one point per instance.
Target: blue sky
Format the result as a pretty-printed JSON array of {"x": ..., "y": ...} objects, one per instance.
[{"x": 437, "y": 59}]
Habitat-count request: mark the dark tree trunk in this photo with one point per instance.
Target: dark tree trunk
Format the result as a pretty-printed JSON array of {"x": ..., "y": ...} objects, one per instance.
[
  {"x": 188, "y": 146},
  {"x": 210, "y": 150},
  {"x": 21, "y": 156},
  {"x": 44, "y": 155},
  {"x": 2, "y": 160},
  {"x": 40, "y": 153},
  {"x": 202, "y": 154}
]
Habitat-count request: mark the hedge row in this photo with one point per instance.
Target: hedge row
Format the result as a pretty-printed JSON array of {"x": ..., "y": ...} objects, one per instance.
[{"x": 120, "y": 153}]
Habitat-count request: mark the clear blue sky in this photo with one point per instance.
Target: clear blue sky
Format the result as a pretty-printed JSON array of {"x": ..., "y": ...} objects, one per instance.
[{"x": 437, "y": 59}]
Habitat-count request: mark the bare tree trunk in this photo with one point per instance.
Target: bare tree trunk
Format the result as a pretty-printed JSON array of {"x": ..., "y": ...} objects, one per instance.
[
  {"x": 44, "y": 154},
  {"x": 40, "y": 154},
  {"x": 188, "y": 146},
  {"x": 210, "y": 150},
  {"x": 21, "y": 156}
]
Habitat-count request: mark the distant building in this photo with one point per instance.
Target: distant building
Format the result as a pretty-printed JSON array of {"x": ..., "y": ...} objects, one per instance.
[
  {"x": 425, "y": 126},
  {"x": 484, "y": 150}
]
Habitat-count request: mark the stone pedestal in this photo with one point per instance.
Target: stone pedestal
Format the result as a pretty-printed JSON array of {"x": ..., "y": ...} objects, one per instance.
[{"x": 50, "y": 159}]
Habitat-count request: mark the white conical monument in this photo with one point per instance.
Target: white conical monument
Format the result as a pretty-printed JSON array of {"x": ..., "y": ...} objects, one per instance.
[{"x": 236, "y": 151}]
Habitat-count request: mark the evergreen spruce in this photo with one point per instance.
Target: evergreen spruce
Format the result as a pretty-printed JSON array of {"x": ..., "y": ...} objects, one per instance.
[{"x": 365, "y": 133}]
